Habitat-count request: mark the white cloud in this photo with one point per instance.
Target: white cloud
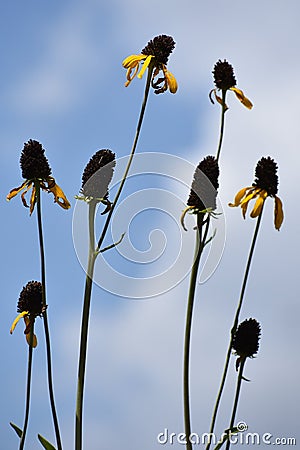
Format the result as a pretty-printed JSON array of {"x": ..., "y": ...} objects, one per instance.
[{"x": 55, "y": 81}]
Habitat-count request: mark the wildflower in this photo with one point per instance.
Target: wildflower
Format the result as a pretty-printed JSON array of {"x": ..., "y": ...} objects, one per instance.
[
  {"x": 36, "y": 169},
  {"x": 154, "y": 55},
  {"x": 30, "y": 305},
  {"x": 204, "y": 187},
  {"x": 225, "y": 80},
  {"x": 265, "y": 185},
  {"x": 96, "y": 177},
  {"x": 245, "y": 341}
]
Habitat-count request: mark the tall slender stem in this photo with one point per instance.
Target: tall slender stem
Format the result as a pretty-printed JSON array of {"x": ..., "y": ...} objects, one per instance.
[
  {"x": 234, "y": 327},
  {"x": 133, "y": 149},
  {"x": 84, "y": 327},
  {"x": 222, "y": 124},
  {"x": 237, "y": 395},
  {"x": 45, "y": 318},
  {"x": 28, "y": 388},
  {"x": 200, "y": 242},
  {"x": 93, "y": 252}
]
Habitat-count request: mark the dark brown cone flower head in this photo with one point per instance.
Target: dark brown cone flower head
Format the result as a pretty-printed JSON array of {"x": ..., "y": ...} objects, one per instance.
[
  {"x": 30, "y": 299},
  {"x": 266, "y": 177},
  {"x": 153, "y": 57},
  {"x": 30, "y": 305},
  {"x": 36, "y": 171},
  {"x": 205, "y": 184},
  {"x": 33, "y": 161},
  {"x": 246, "y": 339},
  {"x": 223, "y": 75},
  {"x": 98, "y": 174},
  {"x": 161, "y": 47}
]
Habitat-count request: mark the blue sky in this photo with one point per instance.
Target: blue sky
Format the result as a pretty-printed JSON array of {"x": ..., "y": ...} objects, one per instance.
[{"x": 62, "y": 83}]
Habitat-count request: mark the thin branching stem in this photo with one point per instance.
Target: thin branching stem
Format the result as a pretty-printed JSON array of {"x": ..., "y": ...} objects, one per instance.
[
  {"x": 93, "y": 253},
  {"x": 28, "y": 387},
  {"x": 199, "y": 245},
  {"x": 237, "y": 396},
  {"x": 45, "y": 317},
  {"x": 234, "y": 327}
]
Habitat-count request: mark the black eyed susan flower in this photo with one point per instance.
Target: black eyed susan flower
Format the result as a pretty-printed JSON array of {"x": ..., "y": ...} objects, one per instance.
[
  {"x": 245, "y": 341},
  {"x": 265, "y": 185},
  {"x": 203, "y": 194},
  {"x": 30, "y": 305},
  {"x": 225, "y": 80},
  {"x": 96, "y": 177},
  {"x": 154, "y": 55},
  {"x": 35, "y": 168}
]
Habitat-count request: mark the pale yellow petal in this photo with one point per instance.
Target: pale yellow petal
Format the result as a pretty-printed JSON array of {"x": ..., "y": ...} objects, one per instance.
[
  {"x": 278, "y": 213},
  {"x": 242, "y": 98}
]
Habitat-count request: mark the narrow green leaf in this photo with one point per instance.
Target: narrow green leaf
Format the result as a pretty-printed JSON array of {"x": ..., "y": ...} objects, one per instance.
[
  {"x": 46, "y": 444},
  {"x": 17, "y": 429}
]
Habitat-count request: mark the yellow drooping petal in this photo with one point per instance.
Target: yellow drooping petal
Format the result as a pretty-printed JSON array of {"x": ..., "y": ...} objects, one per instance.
[
  {"x": 15, "y": 191},
  {"x": 278, "y": 213},
  {"x": 259, "y": 204},
  {"x": 129, "y": 76},
  {"x": 32, "y": 200},
  {"x": 242, "y": 98},
  {"x": 244, "y": 207},
  {"x": 145, "y": 65},
  {"x": 22, "y": 314},
  {"x": 59, "y": 196},
  {"x": 171, "y": 80},
  {"x": 132, "y": 60},
  {"x": 29, "y": 325},
  {"x": 34, "y": 340},
  {"x": 239, "y": 196}
]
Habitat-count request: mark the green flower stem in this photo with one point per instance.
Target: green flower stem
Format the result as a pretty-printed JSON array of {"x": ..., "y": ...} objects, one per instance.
[
  {"x": 93, "y": 253},
  {"x": 237, "y": 395},
  {"x": 234, "y": 327},
  {"x": 28, "y": 388},
  {"x": 200, "y": 242},
  {"x": 222, "y": 123},
  {"x": 85, "y": 326},
  {"x": 45, "y": 317}
]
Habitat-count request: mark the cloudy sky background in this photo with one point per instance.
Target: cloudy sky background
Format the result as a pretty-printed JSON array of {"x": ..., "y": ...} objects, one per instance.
[{"x": 62, "y": 84}]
